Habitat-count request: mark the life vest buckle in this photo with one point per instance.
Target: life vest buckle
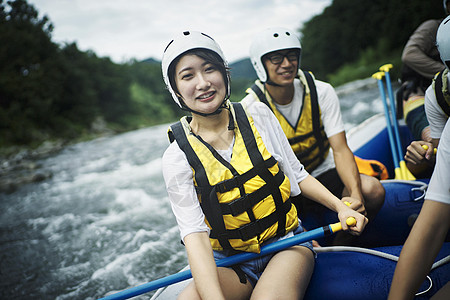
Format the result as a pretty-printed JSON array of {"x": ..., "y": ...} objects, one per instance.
[
  {"x": 238, "y": 206},
  {"x": 227, "y": 185},
  {"x": 249, "y": 230}
]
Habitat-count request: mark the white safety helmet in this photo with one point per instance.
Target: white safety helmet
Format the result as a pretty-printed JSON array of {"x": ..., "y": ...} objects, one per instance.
[
  {"x": 443, "y": 41},
  {"x": 270, "y": 40},
  {"x": 189, "y": 40}
]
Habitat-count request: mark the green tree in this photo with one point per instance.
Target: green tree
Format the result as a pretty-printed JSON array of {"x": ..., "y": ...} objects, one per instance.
[
  {"x": 348, "y": 28},
  {"x": 25, "y": 62}
]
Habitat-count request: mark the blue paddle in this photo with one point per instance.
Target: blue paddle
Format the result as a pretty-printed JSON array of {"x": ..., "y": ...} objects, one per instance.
[
  {"x": 232, "y": 260},
  {"x": 379, "y": 77},
  {"x": 406, "y": 174}
]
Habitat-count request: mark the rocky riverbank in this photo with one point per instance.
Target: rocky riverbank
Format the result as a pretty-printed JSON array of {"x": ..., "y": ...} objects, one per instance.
[
  {"x": 22, "y": 167},
  {"x": 19, "y": 166}
]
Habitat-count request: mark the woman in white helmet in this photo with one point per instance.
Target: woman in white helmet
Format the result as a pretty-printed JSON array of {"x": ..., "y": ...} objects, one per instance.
[
  {"x": 309, "y": 113},
  {"x": 437, "y": 108},
  {"x": 229, "y": 180}
]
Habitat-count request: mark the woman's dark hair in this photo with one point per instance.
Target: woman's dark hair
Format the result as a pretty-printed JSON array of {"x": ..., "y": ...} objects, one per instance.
[{"x": 209, "y": 56}]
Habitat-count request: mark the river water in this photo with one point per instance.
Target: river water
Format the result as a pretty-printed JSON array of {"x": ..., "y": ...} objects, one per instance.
[{"x": 103, "y": 222}]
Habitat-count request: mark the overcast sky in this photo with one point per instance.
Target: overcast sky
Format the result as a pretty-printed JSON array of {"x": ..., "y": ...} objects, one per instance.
[{"x": 127, "y": 29}]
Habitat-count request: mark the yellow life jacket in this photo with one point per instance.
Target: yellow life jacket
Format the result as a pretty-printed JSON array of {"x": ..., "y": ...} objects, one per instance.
[
  {"x": 412, "y": 103},
  {"x": 307, "y": 138},
  {"x": 442, "y": 91},
  {"x": 245, "y": 201}
]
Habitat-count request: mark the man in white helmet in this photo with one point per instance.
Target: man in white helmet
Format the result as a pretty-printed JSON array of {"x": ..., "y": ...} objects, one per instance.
[
  {"x": 437, "y": 108},
  {"x": 309, "y": 113}
]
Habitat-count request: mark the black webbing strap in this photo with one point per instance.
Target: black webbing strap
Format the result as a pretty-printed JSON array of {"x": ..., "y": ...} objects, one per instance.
[
  {"x": 257, "y": 158},
  {"x": 315, "y": 111},
  {"x": 440, "y": 95},
  {"x": 260, "y": 94},
  {"x": 318, "y": 129},
  {"x": 210, "y": 207},
  {"x": 321, "y": 139},
  {"x": 300, "y": 138},
  {"x": 210, "y": 193},
  {"x": 240, "y": 179},
  {"x": 219, "y": 188},
  {"x": 242, "y": 204},
  {"x": 262, "y": 97},
  {"x": 257, "y": 227},
  {"x": 240, "y": 274}
]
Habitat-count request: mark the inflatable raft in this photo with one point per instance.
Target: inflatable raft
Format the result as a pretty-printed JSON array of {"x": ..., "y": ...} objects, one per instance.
[{"x": 366, "y": 272}]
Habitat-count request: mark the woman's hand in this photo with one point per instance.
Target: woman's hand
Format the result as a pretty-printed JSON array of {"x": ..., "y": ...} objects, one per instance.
[
  {"x": 345, "y": 212},
  {"x": 355, "y": 204}
]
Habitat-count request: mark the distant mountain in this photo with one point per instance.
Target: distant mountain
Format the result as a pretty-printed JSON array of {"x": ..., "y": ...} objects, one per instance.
[
  {"x": 241, "y": 69},
  {"x": 151, "y": 61}
]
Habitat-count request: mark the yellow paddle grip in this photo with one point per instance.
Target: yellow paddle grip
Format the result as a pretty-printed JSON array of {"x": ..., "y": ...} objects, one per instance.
[
  {"x": 350, "y": 221},
  {"x": 425, "y": 147},
  {"x": 338, "y": 227}
]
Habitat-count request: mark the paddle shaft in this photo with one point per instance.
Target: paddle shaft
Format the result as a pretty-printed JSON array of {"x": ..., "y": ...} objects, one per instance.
[
  {"x": 393, "y": 114},
  {"x": 388, "y": 121},
  {"x": 231, "y": 260},
  {"x": 404, "y": 170},
  {"x": 401, "y": 172}
]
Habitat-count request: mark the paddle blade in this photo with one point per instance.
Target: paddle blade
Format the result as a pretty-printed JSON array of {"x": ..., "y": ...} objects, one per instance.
[
  {"x": 407, "y": 175},
  {"x": 398, "y": 173}
]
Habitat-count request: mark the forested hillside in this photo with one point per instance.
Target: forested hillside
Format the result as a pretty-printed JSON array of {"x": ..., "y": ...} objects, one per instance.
[
  {"x": 50, "y": 91},
  {"x": 351, "y": 38}
]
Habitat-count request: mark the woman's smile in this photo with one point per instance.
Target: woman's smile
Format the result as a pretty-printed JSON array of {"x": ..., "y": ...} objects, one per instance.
[
  {"x": 207, "y": 96},
  {"x": 200, "y": 84}
]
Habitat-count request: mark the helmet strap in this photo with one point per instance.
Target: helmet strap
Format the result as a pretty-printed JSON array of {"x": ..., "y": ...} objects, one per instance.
[
  {"x": 270, "y": 82},
  {"x": 231, "y": 125},
  {"x": 216, "y": 112}
]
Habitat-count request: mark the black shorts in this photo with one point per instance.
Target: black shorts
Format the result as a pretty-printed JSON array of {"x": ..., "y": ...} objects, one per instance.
[
  {"x": 314, "y": 214},
  {"x": 331, "y": 180}
]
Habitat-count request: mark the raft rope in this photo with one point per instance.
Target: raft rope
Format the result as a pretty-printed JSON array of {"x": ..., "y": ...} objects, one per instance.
[
  {"x": 422, "y": 186},
  {"x": 437, "y": 264}
]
